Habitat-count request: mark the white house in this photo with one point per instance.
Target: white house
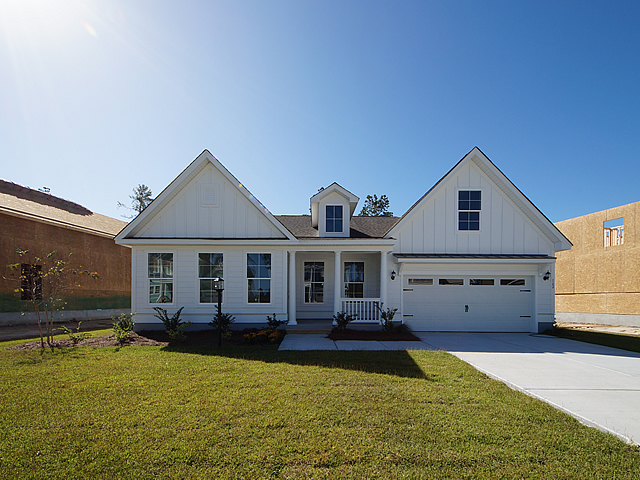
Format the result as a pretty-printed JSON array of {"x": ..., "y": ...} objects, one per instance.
[{"x": 473, "y": 254}]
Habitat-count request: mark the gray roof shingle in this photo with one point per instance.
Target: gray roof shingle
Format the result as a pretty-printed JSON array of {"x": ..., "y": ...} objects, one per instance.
[{"x": 361, "y": 227}]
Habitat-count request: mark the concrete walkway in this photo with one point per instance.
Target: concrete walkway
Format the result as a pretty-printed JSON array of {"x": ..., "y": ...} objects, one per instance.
[{"x": 600, "y": 386}]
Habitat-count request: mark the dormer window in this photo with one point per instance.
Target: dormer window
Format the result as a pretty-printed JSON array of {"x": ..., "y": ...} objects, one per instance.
[
  {"x": 469, "y": 207},
  {"x": 334, "y": 219}
]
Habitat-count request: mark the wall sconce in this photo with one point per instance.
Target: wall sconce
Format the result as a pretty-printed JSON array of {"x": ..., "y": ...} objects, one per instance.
[
  {"x": 393, "y": 274},
  {"x": 546, "y": 276}
]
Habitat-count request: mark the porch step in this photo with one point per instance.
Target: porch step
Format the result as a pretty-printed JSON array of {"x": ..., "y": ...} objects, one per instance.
[{"x": 311, "y": 327}]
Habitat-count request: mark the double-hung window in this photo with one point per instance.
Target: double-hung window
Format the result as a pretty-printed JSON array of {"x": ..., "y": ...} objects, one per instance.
[
  {"x": 469, "y": 207},
  {"x": 354, "y": 279},
  {"x": 209, "y": 268},
  {"x": 259, "y": 277},
  {"x": 160, "y": 268},
  {"x": 313, "y": 282},
  {"x": 334, "y": 219}
]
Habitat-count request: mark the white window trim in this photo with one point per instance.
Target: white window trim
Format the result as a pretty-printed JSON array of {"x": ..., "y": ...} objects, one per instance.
[
  {"x": 482, "y": 209},
  {"x": 246, "y": 279},
  {"x": 304, "y": 284},
  {"x": 148, "y": 279},
  {"x": 198, "y": 303},
  {"x": 325, "y": 217}
]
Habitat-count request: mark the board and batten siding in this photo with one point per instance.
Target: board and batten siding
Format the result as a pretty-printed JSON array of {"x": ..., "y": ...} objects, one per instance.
[
  {"x": 209, "y": 206},
  {"x": 504, "y": 229},
  {"x": 186, "y": 286}
]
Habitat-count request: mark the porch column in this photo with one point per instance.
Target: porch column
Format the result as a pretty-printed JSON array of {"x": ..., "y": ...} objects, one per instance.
[
  {"x": 383, "y": 278},
  {"x": 292, "y": 288},
  {"x": 337, "y": 284}
]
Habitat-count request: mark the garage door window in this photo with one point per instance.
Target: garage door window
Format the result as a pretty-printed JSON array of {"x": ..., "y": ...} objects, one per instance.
[
  {"x": 481, "y": 281},
  {"x": 421, "y": 281},
  {"x": 451, "y": 281},
  {"x": 507, "y": 282}
]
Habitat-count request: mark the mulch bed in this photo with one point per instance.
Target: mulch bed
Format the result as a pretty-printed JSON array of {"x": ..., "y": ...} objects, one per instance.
[
  {"x": 202, "y": 338},
  {"x": 373, "y": 335}
]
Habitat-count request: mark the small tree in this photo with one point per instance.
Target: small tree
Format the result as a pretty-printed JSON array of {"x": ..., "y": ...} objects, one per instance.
[
  {"x": 139, "y": 200},
  {"x": 43, "y": 284},
  {"x": 376, "y": 207}
]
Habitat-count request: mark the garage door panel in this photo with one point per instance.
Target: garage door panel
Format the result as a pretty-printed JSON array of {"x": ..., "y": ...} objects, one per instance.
[{"x": 504, "y": 306}]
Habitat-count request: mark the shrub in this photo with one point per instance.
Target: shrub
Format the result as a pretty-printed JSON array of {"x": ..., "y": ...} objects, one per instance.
[
  {"x": 386, "y": 317},
  {"x": 123, "y": 326},
  {"x": 77, "y": 336},
  {"x": 262, "y": 337},
  {"x": 174, "y": 326},
  {"x": 274, "y": 323},
  {"x": 226, "y": 319},
  {"x": 342, "y": 320}
]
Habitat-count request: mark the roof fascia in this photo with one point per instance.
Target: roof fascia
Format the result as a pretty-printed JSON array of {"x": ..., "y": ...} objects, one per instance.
[{"x": 299, "y": 244}]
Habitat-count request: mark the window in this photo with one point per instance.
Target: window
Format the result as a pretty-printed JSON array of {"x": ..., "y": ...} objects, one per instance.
[
  {"x": 450, "y": 281},
  {"x": 334, "y": 219},
  {"x": 481, "y": 281},
  {"x": 30, "y": 282},
  {"x": 421, "y": 281},
  {"x": 511, "y": 281},
  {"x": 313, "y": 282},
  {"x": 354, "y": 279},
  {"x": 469, "y": 206},
  {"x": 209, "y": 268},
  {"x": 259, "y": 277},
  {"x": 614, "y": 232},
  {"x": 160, "y": 268}
]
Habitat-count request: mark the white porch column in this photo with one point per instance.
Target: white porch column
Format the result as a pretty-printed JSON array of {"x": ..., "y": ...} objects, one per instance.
[
  {"x": 292, "y": 289},
  {"x": 337, "y": 284},
  {"x": 383, "y": 278}
]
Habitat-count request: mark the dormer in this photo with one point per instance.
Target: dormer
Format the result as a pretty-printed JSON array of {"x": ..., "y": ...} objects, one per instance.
[{"x": 331, "y": 211}]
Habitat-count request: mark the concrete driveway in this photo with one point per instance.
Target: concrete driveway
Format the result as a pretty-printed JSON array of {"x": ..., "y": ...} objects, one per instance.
[{"x": 600, "y": 386}]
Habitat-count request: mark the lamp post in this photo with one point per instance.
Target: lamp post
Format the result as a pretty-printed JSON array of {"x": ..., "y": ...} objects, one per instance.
[{"x": 218, "y": 286}]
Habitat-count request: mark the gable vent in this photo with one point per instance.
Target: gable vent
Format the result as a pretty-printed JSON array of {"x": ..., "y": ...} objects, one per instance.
[{"x": 210, "y": 195}]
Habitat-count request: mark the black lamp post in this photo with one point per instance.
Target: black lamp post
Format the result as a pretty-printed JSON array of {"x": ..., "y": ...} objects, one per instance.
[{"x": 218, "y": 286}]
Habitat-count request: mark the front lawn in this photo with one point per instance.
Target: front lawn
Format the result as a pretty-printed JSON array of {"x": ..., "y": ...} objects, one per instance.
[{"x": 254, "y": 412}]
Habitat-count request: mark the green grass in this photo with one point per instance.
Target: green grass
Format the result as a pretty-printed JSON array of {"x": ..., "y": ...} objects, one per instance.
[
  {"x": 615, "y": 340},
  {"x": 254, "y": 412}
]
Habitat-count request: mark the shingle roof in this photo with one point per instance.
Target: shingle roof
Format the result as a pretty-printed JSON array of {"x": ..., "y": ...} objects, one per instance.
[
  {"x": 361, "y": 227},
  {"x": 26, "y": 202}
]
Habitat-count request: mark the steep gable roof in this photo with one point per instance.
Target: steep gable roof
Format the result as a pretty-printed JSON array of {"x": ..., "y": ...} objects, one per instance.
[
  {"x": 525, "y": 205},
  {"x": 334, "y": 187},
  {"x": 170, "y": 192},
  {"x": 24, "y": 202}
]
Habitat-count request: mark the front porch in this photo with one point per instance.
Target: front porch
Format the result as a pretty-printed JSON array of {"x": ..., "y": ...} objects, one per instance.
[{"x": 322, "y": 283}]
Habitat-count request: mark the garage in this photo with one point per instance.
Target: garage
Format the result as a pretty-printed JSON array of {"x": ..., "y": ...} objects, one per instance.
[{"x": 477, "y": 303}]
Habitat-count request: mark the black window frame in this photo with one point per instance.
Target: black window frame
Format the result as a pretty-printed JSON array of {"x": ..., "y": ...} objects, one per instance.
[{"x": 469, "y": 208}]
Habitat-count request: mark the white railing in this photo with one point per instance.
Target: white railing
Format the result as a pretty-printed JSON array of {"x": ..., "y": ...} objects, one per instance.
[
  {"x": 363, "y": 309},
  {"x": 614, "y": 236}
]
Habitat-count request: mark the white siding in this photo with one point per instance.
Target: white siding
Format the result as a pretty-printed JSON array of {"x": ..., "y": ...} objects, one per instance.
[
  {"x": 189, "y": 215},
  {"x": 504, "y": 229}
]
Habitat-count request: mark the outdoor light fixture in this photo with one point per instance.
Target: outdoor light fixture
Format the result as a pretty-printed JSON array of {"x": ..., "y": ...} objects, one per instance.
[
  {"x": 218, "y": 286},
  {"x": 393, "y": 274},
  {"x": 546, "y": 276}
]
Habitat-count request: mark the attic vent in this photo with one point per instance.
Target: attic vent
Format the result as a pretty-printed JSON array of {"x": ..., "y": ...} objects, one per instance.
[{"x": 210, "y": 195}]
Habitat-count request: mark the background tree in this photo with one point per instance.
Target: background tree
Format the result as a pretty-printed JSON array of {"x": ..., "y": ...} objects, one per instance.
[
  {"x": 376, "y": 207},
  {"x": 43, "y": 282},
  {"x": 140, "y": 198}
]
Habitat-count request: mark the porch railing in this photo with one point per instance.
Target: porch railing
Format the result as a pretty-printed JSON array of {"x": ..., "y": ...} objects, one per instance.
[{"x": 363, "y": 309}]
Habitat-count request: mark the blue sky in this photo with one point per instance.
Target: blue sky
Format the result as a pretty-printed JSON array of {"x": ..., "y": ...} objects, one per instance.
[{"x": 382, "y": 97}]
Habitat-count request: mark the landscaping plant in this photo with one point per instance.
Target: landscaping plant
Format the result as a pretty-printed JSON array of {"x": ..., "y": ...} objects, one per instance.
[
  {"x": 226, "y": 319},
  {"x": 77, "y": 336},
  {"x": 342, "y": 320},
  {"x": 174, "y": 326},
  {"x": 123, "y": 326},
  {"x": 386, "y": 317},
  {"x": 274, "y": 323}
]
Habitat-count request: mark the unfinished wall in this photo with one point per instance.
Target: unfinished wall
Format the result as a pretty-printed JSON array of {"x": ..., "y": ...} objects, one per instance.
[
  {"x": 112, "y": 291},
  {"x": 601, "y": 284}
]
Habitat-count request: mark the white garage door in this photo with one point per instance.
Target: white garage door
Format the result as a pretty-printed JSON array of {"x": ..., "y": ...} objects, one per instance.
[{"x": 457, "y": 303}]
